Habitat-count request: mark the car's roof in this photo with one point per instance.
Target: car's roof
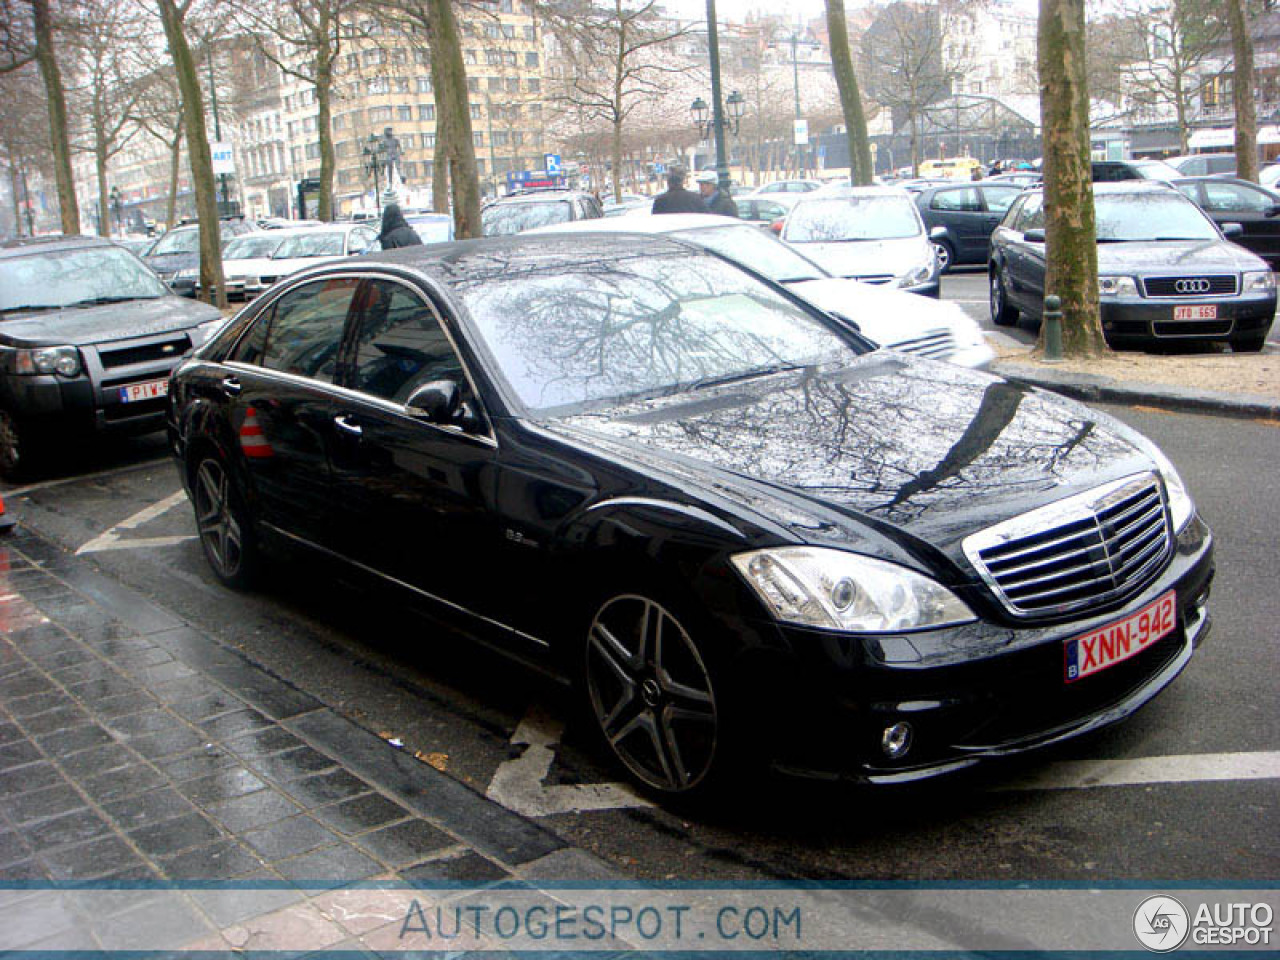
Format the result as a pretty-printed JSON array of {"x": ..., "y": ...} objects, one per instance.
[
  {"x": 652, "y": 223},
  {"x": 1110, "y": 187},
  {"x": 24, "y": 246},
  {"x": 535, "y": 196},
  {"x": 853, "y": 193},
  {"x": 1218, "y": 178},
  {"x": 466, "y": 261}
]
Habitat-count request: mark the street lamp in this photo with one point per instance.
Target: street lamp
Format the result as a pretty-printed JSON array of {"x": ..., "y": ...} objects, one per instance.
[
  {"x": 734, "y": 104},
  {"x": 717, "y": 105}
]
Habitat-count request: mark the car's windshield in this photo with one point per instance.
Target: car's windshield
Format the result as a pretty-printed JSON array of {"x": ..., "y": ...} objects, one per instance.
[
  {"x": 852, "y": 218},
  {"x": 753, "y": 248},
  {"x": 575, "y": 336},
  {"x": 177, "y": 241},
  {"x": 246, "y": 248},
  {"x": 432, "y": 229},
  {"x": 65, "y": 277},
  {"x": 1159, "y": 215},
  {"x": 311, "y": 244},
  {"x": 1157, "y": 170},
  {"x": 504, "y": 219}
]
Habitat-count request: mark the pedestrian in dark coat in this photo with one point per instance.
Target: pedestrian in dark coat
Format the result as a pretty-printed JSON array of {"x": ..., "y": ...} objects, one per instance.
[
  {"x": 396, "y": 232},
  {"x": 677, "y": 199},
  {"x": 714, "y": 199}
]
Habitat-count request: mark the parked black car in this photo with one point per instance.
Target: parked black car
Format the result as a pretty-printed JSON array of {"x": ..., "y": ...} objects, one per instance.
[
  {"x": 1166, "y": 272},
  {"x": 968, "y": 212},
  {"x": 1111, "y": 171},
  {"x": 88, "y": 338},
  {"x": 743, "y": 529},
  {"x": 176, "y": 255},
  {"x": 537, "y": 208},
  {"x": 1228, "y": 200}
]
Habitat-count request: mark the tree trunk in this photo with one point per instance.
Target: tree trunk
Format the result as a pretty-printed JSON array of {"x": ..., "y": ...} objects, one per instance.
[
  {"x": 199, "y": 158},
  {"x": 440, "y": 154},
  {"x": 104, "y": 199},
  {"x": 860, "y": 170},
  {"x": 324, "y": 92},
  {"x": 915, "y": 147},
  {"x": 175, "y": 157},
  {"x": 451, "y": 100},
  {"x": 52, "y": 77},
  {"x": 1071, "y": 252},
  {"x": 16, "y": 195},
  {"x": 1242, "y": 93}
]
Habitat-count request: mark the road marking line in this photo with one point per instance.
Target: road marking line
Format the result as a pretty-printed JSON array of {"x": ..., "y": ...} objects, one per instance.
[
  {"x": 62, "y": 481},
  {"x": 111, "y": 539},
  {"x": 1181, "y": 768},
  {"x": 518, "y": 784}
]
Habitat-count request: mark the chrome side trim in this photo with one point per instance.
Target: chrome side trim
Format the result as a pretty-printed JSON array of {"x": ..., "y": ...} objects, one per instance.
[{"x": 408, "y": 586}]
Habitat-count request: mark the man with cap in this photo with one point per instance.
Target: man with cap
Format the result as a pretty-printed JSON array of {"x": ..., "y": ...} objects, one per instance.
[
  {"x": 714, "y": 199},
  {"x": 677, "y": 199}
]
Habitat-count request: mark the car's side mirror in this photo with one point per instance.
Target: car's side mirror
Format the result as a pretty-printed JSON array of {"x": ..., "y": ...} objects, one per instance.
[
  {"x": 1232, "y": 230},
  {"x": 938, "y": 233},
  {"x": 1034, "y": 236},
  {"x": 434, "y": 402}
]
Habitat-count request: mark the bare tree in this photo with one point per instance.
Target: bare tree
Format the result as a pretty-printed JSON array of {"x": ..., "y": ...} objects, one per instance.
[
  {"x": 1242, "y": 92},
  {"x": 1070, "y": 250},
  {"x": 24, "y": 136},
  {"x": 1176, "y": 38},
  {"x": 304, "y": 39},
  {"x": 158, "y": 111},
  {"x": 174, "y": 17},
  {"x": 616, "y": 54},
  {"x": 51, "y": 73},
  {"x": 449, "y": 80},
  {"x": 861, "y": 170}
]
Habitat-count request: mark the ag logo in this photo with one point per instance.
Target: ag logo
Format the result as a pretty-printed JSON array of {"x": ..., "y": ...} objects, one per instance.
[{"x": 1161, "y": 924}]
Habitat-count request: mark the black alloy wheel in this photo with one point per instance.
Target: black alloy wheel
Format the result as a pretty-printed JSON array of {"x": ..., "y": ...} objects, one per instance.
[
  {"x": 651, "y": 695},
  {"x": 15, "y": 449},
  {"x": 223, "y": 528},
  {"x": 942, "y": 250},
  {"x": 1002, "y": 313}
]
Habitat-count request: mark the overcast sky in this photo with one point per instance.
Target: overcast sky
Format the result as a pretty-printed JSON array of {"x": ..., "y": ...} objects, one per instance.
[{"x": 737, "y": 10}]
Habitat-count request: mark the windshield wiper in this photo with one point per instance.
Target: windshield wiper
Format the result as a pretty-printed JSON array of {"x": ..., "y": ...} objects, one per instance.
[
  {"x": 98, "y": 301},
  {"x": 756, "y": 374},
  {"x": 32, "y": 306}
]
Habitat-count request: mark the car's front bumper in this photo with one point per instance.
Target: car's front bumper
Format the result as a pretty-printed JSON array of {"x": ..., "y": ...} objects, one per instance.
[
  {"x": 1133, "y": 319},
  {"x": 981, "y": 690}
]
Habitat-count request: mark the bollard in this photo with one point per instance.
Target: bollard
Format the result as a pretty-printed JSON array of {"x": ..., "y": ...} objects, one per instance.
[{"x": 1052, "y": 329}]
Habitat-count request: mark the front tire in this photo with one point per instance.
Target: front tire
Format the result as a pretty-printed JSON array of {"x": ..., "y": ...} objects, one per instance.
[
  {"x": 1003, "y": 314},
  {"x": 16, "y": 453},
  {"x": 652, "y": 695},
  {"x": 946, "y": 257},
  {"x": 222, "y": 523},
  {"x": 1251, "y": 344}
]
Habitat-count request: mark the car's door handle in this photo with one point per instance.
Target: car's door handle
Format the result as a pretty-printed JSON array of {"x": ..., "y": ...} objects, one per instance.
[
  {"x": 347, "y": 425},
  {"x": 231, "y": 386}
]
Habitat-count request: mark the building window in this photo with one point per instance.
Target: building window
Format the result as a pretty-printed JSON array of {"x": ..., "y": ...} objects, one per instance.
[
  {"x": 530, "y": 33},
  {"x": 513, "y": 85},
  {"x": 478, "y": 137},
  {"x": 353, "y": 62},
  {"x": 534, "y": 85},
  {"x": 470, "y": 55},
  {"x": 530, "y": 60},
  {"x": 374, "y": 56},
  {"x": 493, "y": 57},
  {"x": 404, "y": 113},
  {"x": 424, "y": 84},
  {"x": 378, "y": 85},
  {"x": 499, "y": 138},
  {"x": 402, "y": 84},
  {"x": 475, "y": 111},
  {"x": 426, "y": 111},
  {"x": 428, "y": 141},
  {"x": 509, "y": 31},
  {"x": 409, "y": 170},
  {"x": 379, "y": 114},
  {"x": 422, "y": 58},
  {"x": 495, "y": 83},
  {"x": 313, "y": 151}
]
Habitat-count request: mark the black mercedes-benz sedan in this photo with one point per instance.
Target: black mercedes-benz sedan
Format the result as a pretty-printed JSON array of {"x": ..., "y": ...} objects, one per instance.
[
  {"x": 740, "y": 528},
  {"x": 1166, "y": 272}
]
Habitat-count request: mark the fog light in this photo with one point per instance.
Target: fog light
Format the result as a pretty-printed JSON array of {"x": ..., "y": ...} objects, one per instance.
[{"x": 896, "y": 740}]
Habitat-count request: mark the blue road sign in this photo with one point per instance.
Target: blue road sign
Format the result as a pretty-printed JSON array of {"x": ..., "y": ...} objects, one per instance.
[{"x": 552, "y": 164}]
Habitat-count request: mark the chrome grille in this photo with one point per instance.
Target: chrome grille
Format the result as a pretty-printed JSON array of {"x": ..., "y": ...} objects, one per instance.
[
  {"x": 935, "y": 343},
  {"x": 130, "y": 354},
  {"x": 1201, "y": 286},
  {"x": 1077, "y": 553}
]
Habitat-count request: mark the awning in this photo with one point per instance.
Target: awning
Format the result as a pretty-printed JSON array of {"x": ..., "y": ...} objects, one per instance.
[{"x": 1225, "y": 137}]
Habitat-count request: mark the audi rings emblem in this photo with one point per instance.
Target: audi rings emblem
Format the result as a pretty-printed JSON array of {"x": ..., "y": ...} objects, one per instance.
[{"x": 1197, "y": 285}]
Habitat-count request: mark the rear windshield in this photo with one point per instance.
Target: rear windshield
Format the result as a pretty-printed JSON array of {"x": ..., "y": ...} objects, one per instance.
[
  {"x": 246, "y": 248},
  {"x": 502, "y": 220},
  {"x": 67, "y": 277},
  {"x": 853, "y": 218},
  {"x": 177, "y": 241},
  {"x": 310, "y": 245}
]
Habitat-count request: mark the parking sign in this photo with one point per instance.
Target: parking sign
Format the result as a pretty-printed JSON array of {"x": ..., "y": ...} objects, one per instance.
[{"x": 552, "y": 162}]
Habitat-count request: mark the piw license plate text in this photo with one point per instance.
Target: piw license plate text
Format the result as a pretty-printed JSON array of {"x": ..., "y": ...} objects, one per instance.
[
  {"x": 1121, "y": 640},
  {"x": 144, "y": 391}
]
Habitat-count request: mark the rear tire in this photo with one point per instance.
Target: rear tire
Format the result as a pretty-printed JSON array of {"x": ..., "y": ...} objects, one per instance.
[
  {"x": 946, "y": 256},
  {"x": 226, "y": 535},
  {"x": 17, "y": 454},
  {"x": 1003, "y": 314},
  {"x": 1251, "y": 344}
]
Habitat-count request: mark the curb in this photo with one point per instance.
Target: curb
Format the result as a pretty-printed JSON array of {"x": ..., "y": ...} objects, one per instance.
[{"x": 1096, "y": 389}]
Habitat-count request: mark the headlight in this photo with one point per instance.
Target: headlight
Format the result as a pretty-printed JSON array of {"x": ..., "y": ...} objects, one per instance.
[
  {"x": 918, "y": 276},
  {"x": 834, "y": 590},
  {"x": 61, "y": 360},
  {"x": 1117, "y": 287},
  {"x": 1181, "y": 505},
  {"x": 207, "y": 331},
  {"x": 1261, "y": 280}
]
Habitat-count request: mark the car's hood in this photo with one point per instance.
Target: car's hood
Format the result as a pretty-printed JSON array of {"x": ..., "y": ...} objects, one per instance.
[
  {"x": 869, "y": 258},
  {"x": 83, "y": 326},
  {"x": 172, "y": 262},
  {"x": 887, "y": 315},
  {"x": 248, "y": 266},
  {"x": 1189, "y": 256},
  {"x": 886, "y": 446}
]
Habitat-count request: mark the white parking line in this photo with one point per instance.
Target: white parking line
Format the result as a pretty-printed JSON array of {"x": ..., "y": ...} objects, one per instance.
[
  {"x": 1182, "y": 768},
  {"x": 111, "y": 539},
  {"x": 115, "y": 471}
]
